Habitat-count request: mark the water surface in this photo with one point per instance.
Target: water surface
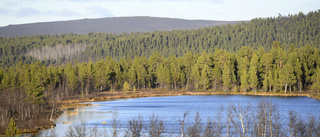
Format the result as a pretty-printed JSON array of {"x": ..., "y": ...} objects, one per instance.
[{"x": 172, "y": 108}]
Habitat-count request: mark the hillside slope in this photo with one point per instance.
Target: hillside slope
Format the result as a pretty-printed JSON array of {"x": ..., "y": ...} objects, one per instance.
[
  {"x": 290, "y": 31},
  {"x": 116, "y": 25}
]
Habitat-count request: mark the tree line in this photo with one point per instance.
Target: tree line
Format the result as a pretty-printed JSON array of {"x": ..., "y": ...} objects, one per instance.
[
  {"x": 26, "y": 88},
  {"x": 298, "y": 29}
]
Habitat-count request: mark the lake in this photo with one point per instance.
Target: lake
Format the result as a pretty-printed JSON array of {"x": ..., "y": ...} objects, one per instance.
[{"x": 172, "y": 108}]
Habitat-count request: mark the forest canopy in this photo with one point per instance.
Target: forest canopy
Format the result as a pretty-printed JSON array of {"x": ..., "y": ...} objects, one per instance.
[{"x": 299, "y": 30}]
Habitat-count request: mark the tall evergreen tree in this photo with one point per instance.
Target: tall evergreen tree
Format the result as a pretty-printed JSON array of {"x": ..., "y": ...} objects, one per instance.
[
  {"x": 36, "y": 86},
  {"x": 226, "y": 78},
  {"x": 12, "y": 129},
  {"x": 216, "y": 75},
  {"x": 253, "y": 74},
  {"x": 71, "y": 78},
  {"x": 287, "y": 76},
  {"x": 316, "y": 81},
  {"x": 188, "y": 62}
]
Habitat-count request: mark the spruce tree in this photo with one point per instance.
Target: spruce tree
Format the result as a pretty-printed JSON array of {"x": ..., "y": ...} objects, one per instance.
[{"x": 12, "y": 129}]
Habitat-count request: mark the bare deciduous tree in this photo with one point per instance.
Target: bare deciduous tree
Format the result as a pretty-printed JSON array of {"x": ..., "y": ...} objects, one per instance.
[
  {"x": 116, "y": 124},
  {"x": 57, "y": 52},
  {"x": 219, "y": 127},
  {"x": 156, "y": 127},
  {"x": 209, "y": 128},
  {"x": 293, "y": 123},
  {"x": 94, "y": 131},
  {"x": 229, "y": 119},
  {"x": 196, "y": 129},
  {"x": 70, "y": 132},
  {"x": 242, "y": 125},
  {"x": 182, "y": 123},
  {"x": 135, "y": 127},
  {"x": 82, "y": 129}
]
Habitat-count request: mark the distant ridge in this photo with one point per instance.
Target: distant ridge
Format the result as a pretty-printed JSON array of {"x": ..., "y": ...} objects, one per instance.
[{"x": 116, "y": 25}]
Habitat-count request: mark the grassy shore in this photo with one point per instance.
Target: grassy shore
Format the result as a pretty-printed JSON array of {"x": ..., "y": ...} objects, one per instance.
[{"x": 108, "y": 95}]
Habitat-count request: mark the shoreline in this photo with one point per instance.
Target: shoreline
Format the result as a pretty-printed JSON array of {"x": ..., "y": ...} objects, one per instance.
[
  {"x": 141, "y": 94},
  {"x": 74, "y": 101}
]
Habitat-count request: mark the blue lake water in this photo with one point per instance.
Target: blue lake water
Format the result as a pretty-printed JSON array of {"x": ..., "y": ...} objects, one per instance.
[{"x": 172, "y": 108}]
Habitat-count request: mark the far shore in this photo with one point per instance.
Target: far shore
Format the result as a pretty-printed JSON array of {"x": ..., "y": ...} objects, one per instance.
[{"x": 114, "y": 95}]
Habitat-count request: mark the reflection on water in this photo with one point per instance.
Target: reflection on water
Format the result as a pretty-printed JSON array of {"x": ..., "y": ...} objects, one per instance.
[{"x": 171, "y": 109}]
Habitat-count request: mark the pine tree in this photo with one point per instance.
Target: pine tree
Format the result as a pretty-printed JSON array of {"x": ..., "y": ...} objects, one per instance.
[
  {"x": 126, "y": 87},
  {"x": 12, "y": 129},
  {"x": 216, "y": 75},
  {"x": 226, "y": 77},
  {"x": 100, "y": 74},
  {"x": 275, "y": 79},
  {"x": 71, "y": 78},
  {"x": 195, "y": 76},
  {"x": 132, "y": 76},
  {"x": 142, "y": 74},
  {"x": 83, "y": 76},
  {"x": 287, "y": 76},
  {"x": 244, "y": 80},
  {"x": 253, "y": 77},
  {"x": 270, "y": 79},
  {"x": 243, "y": 69},
  {"x": 188, "y": 63},
  {"x": 204, "y": 77},
  {"x": 36, "y": 86},
  {"x": 109, "y": 71},
  {"x": 316, "y": 81},
  {"x": 265, "y": 83},
  {"x": 298, "y": 73},
  {"x": 174, "y": 70},
  {"x": 163, "y": 76}
]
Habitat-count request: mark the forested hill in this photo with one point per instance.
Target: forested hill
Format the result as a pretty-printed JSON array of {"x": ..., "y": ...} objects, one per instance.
[
  {"x": 277, "y": 55},
  {"x": 297, "y": 30},
  {"x": 116, "y": 25}
]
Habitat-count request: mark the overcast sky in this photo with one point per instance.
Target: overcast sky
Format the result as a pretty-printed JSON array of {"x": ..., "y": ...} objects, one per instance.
[{"x": 30, "y": 11}]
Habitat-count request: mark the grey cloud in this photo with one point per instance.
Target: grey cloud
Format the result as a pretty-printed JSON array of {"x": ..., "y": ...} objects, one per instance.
[
  {"x": 64, "y": 12},
  {"x": 24, "y": 12},
  {"x": 5, "y": 11},
  {"x": 100, "y": 11}
]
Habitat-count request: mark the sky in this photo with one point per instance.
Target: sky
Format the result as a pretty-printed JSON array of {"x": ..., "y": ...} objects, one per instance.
[{"x": 31, "y": 11}]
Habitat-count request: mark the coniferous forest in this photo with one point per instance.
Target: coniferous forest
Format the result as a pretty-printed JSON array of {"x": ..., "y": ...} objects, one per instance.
[{"x": 276, "y": 54}]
